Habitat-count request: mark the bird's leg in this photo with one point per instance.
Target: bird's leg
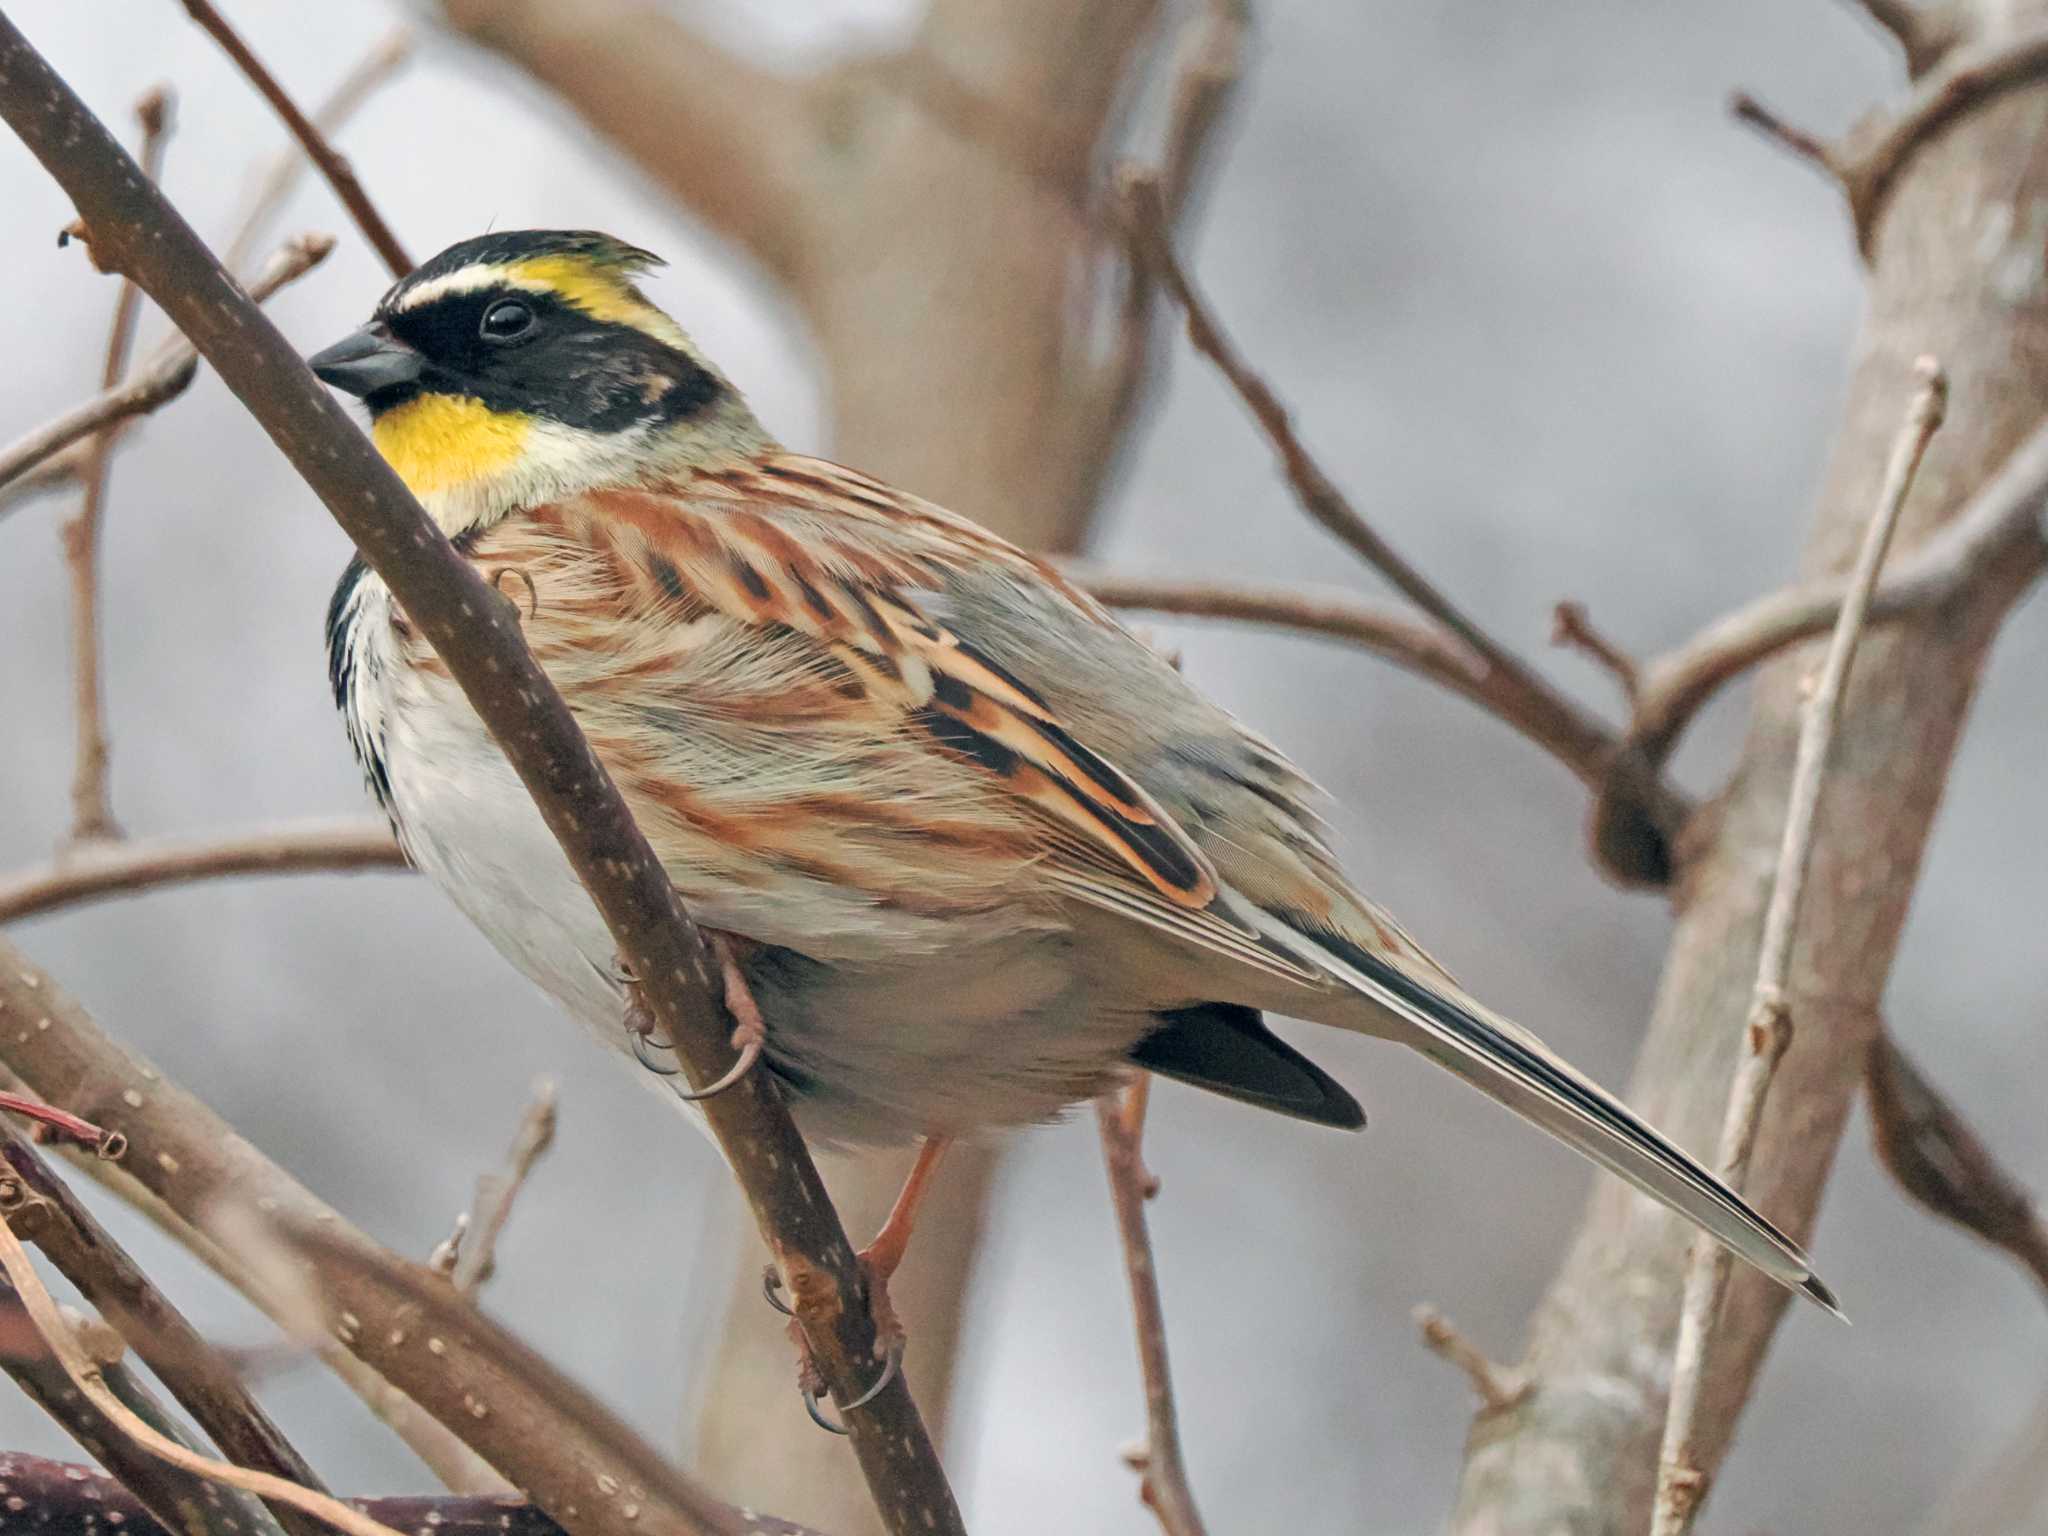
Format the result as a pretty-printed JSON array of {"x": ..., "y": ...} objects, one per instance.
[
  {"x": 1135, "y": 1100},
  {"x": 880, "y": 1259}
]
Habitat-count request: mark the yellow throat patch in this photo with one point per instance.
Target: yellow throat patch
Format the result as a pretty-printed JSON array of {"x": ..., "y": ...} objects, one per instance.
[{"x": 443, "y": 442}]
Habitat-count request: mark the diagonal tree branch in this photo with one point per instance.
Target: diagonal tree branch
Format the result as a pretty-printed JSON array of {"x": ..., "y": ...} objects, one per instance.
[
  {"x": 333, "y": 164},
  {"x": 476, "y": 633}
]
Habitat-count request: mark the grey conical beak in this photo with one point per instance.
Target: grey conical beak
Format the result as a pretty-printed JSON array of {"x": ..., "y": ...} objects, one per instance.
[{"x": 370, "y": 360}]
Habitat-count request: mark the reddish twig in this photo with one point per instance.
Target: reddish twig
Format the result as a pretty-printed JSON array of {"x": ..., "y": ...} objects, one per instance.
[
  {"x": 61, "y": 1125},
  {"x": 333, "y": 165},
  {"x": 92, "y": 813},
  {"x": 124, "y": 868},
  {"x": 1768, "y": 1030},
  {"x": 1159, "y": 1463}
]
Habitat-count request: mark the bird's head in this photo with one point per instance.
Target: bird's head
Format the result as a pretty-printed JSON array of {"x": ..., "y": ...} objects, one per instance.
[{"x": 523, "y": 366}]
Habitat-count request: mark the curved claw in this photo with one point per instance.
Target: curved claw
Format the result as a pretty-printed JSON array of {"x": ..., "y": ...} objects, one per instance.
[
  {"x": 750, "y": 1053},
  {"x": 890, "y": 1367},
  {"x": 642, "y": 1045},
  {"x": 771, "y": 1283}
]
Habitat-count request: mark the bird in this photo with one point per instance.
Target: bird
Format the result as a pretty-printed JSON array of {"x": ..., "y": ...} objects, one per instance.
[{"x": 969, "y": 850}]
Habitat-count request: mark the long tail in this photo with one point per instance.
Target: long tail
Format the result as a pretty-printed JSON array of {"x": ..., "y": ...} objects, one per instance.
[{"x": 1509, "y": 1064}]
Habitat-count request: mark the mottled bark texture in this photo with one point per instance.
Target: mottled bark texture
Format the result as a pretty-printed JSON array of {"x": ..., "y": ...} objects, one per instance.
[
  {"x": 1957, "y": 270},
  {"x": 930, "y": 211}
]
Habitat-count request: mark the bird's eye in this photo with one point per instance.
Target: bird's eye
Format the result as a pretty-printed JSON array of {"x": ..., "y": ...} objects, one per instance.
[{"x": 507, "y": 320}]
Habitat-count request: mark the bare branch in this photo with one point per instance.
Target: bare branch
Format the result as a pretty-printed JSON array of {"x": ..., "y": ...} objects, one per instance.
[
  {"x": 477, "y": 635},
  {"x": 72, "y": 1500},
  {"x": 496, "y": 1192},
  {"x": 265, "y": 1232},
  {"x": 61, "y": 1127},
  {"x": 1161, "y": 1467},
  {"x": 92, "y": 813},
  {"x": 120, "y": 869},
  {"x": 1499, "y": 1387},
  {"x": 1682, "y": 1482},
  {"x": 162, "y": 378},
  {"x": 1944, "y": 1165},
  {"x": 86, "y": 1376},
  {"x": 386, "y": 56},
  {"x": 204, "y": 1384},
  {"x": 333, "y": 165}
]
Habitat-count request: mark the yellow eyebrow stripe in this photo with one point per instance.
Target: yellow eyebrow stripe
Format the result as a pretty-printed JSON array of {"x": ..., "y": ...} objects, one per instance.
[{"x": 598, "y": 293}]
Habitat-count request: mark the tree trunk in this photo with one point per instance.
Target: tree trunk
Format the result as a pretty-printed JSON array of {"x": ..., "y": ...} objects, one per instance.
[{"x": 1958, "y": 271}]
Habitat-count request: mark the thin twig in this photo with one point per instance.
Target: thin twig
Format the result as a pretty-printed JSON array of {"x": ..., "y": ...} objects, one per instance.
[
  {"x": 1162, "y": 1470},
  {"x": 1944, "y": 1165},
  {"x": 124, "y": 868},
  {"x": 333, "y": 165},
  {"x": 1768, "y": 1030},
  {"x": 276, "y": 184},
  {"x": 1798, "y": 141},
  {"x": 85, "y": 1374},
  {"x": 496, "y": 1192},
  {"x": 477, "y": 635},
  {"x": 92, "y": 812},
  {"x": 1499, "y": 1387},
  {"x": 1571, "y": 625},
  {"x": 205, "y": 1384},
  {"x": 161, "y": 378}
]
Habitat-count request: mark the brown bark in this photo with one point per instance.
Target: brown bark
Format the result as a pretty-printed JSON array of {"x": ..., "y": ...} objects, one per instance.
[
  {"x": 1954, "y": 274},
  {"x": 929, "y": 212}
]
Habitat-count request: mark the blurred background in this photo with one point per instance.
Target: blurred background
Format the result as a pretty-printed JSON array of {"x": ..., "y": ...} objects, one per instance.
[{"x": 1560, "y": 328}]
